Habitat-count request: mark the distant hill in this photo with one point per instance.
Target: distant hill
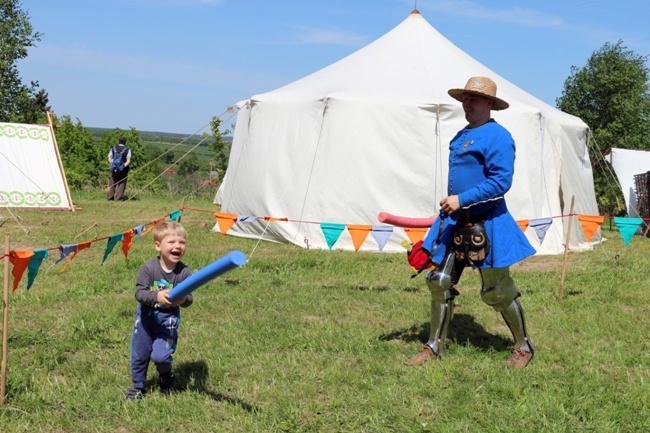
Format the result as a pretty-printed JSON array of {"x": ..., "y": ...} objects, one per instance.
[{"x": 157, "y": 136}]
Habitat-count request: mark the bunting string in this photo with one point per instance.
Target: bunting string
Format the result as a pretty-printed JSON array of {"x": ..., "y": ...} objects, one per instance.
[{"x": 31, "y": 260}]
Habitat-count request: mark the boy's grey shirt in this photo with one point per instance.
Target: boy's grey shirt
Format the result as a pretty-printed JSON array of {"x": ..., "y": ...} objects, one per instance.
[{"x": 153, "y": 278}]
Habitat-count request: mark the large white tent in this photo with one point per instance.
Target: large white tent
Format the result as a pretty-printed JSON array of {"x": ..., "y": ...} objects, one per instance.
[{"x": 370, "y": 133}]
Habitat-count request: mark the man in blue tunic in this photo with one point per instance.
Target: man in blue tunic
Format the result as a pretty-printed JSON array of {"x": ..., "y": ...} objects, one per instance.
[{"x": 481, "y": 167}]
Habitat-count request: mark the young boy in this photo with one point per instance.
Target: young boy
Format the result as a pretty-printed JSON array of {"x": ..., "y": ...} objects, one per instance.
[{"x": 155, "y": 331}]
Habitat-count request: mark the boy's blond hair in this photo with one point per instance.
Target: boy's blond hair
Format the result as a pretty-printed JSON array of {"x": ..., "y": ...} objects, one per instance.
[{"x": 166, "y": 228}]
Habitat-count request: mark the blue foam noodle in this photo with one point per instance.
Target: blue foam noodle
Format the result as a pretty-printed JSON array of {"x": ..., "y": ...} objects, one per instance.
[{"x": 233, "y": 259}]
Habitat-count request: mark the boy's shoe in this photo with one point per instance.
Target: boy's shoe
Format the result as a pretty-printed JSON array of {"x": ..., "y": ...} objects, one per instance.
[
  {"x": 134, "y": 393},
  {"x": 166, "y": 382}
]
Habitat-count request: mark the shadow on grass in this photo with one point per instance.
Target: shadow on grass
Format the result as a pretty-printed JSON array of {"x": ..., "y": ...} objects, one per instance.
[
  {"x": 463, "y": 329},
  {"x": 193, "y": 376}
]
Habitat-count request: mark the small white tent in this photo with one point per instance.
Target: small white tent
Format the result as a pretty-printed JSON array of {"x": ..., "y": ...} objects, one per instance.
[
  {"x": 31, "y": 174},
  {"x": 370, "y": 133},
  {"x": 628, "y": 163}
]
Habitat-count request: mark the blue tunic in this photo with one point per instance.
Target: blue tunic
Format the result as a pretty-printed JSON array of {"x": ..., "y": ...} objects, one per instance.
[{"x": 481, "y": 167}]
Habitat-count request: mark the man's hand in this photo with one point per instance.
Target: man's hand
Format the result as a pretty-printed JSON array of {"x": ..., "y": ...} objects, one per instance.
[{"x": 450, "y": 204}]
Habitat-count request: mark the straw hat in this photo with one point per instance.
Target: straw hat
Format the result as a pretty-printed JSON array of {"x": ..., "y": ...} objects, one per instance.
[{"x": 481, "y": 86}]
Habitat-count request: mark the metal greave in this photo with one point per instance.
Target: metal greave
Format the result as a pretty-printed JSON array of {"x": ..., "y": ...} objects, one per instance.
[
  {"x": 442, "y": 303},
  {"x": 513, "y": 315},
  {"x": 500, "y": 292}
]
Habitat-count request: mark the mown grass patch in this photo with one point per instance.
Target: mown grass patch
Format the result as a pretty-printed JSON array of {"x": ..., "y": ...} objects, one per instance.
[{"x": 315, "y": 341}]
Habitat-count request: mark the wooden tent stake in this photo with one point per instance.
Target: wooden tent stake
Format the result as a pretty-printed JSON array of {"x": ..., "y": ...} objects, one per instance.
[
  {"x": 566, "y": 248},
  {"x": 58, "y": 157},
  {"x": 5, "y": 323},
  {"x": 182, "y": 207}
]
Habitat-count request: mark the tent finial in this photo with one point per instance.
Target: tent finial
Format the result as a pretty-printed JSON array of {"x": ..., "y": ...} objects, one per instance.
[{"x": 415, "y": 10}]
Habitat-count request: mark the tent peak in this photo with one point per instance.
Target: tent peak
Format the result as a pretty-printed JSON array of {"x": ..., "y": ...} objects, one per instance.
[{"x": 415, "y": 12}]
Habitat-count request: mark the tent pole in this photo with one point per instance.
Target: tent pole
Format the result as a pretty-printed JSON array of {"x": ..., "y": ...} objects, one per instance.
[
  {"x": 5, "y": 323},
  {"x": 566, "y": 248},
  {"x": 58, "y": 157}
]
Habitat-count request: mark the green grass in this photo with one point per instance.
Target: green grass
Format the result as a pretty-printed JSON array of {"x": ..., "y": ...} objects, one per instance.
[{"x": 315, "y": 341}]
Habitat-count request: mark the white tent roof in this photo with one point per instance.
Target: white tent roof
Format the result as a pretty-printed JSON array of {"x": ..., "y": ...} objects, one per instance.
[
  {"x": 628, "y": 163},
  {"x": 370, "y": 133}
]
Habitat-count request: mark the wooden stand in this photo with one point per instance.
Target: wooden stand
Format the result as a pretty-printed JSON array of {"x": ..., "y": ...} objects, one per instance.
[
  {"x": 566, "y": 248},
  {"x": 5, "y": 324},
  {"x": 58, "y": 157}
]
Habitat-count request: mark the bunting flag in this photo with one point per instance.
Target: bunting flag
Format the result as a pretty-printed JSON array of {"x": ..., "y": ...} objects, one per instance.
[
  {"x": 590, "y": 224},
  {"x": 20, "y": 260},
  {"x": 112, "y": 241},
  {"x": 416, "y": 234},
  {"x": 381, "y": 235},
  {"x": 225, "y": 221},
  {"x": 246, "y": 218},
  {"x": 332, "y": 232},
  {"x": 541, "y": 226},
  {"x": 146, "y": 232},
  {"x": 139, "y": 230},
  {"x": 175, "y": 216},
  {"x": 627, "y": 227},
  {"x": 127, "y": 241},
  {"x": 64, "y": 251},
  {"x": 80, "y": 247},
  {"x": 35, "y": 263},
  {"x": 523, "y": 224},
  {"x": 274, "y": 219},
  {"x": 359, "y": 233}
]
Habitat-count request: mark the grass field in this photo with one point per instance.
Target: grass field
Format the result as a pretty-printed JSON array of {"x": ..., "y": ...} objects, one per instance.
[{"x": 315, "y": 341}]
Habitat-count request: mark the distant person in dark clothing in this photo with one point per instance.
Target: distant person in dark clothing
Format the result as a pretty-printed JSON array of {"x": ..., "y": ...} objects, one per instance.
[{"x": 119, "y": 159}]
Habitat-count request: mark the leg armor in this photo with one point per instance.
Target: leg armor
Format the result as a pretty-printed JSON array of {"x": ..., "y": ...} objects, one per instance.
[
  {"x": 442, "y": 303},
  {"x": 500, "y": 292}
]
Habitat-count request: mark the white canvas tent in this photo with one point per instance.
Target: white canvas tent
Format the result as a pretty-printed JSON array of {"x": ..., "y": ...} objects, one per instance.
[
  {"x": 31, "y": 174},
  {"x": 627, "y": 163},
  {"x": 370, "y": 133}
]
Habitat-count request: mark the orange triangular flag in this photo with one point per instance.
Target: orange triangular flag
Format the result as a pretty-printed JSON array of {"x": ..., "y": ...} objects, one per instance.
[
  {"x": 590, "y": 224},
  {"x": 20, "y": 260},
  {"x": 523, "y": 224},
  {"x": 80, "y": 247},
  {"x": 416, "y": 234},
  {"x": 359, "y": 233},
  {"x": 127, "y": 242},
  {"x": 274, "y": 219},
  {"x": 225, "y": 221},
  {"x": 152, "y": 226}
]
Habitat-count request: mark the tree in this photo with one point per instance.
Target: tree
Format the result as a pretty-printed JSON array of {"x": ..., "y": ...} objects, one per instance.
[
  {"x": 80, "y": 155},
  {"x": 610, "y": 94},
  {"x": 18, "y": 103},
  {"x": 220, "y": 146}
]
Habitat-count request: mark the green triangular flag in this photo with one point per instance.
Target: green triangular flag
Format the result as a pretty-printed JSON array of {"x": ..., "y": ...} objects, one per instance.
[
  {"x": 112, "y": 241},
  {"x": 174, "y": 216},
  {"x": 35, "y": 263},
  {"x": 627, "y": 227},
  {"x": 332, "y": 232}
]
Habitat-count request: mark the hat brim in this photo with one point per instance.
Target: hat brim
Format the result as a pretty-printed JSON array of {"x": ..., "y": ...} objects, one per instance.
[{"x": 499, "y": 104}]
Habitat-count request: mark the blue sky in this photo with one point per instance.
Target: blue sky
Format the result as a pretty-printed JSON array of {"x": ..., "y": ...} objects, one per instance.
[{"x": 171, "y": 65}]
